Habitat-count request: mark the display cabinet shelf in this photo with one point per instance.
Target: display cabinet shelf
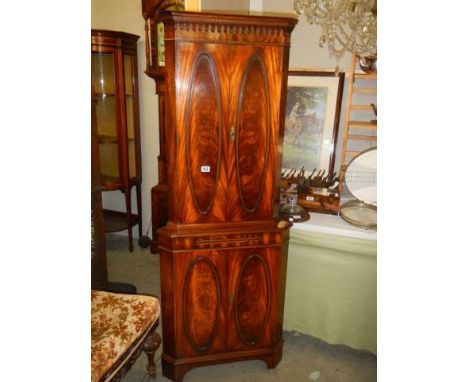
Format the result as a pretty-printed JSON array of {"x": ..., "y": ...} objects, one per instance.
[
  {"x": 109, "y": 179},
  {"x": 115, "y": 221},
  {"x": 108, "y": 139}
]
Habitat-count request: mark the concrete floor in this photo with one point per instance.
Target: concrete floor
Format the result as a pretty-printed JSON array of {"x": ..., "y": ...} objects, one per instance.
[{"x": 305, "y": 358}]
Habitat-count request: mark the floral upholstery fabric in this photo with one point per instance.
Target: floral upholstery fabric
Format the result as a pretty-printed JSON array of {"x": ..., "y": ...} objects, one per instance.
[{"x": 117, "y": 322}]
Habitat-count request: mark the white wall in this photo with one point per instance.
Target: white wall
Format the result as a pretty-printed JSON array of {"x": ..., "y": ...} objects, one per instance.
[
  {"x": 125, "y": 15},
  {"x": 256, "y": 5},
  {"x": 225, "y": 5}
]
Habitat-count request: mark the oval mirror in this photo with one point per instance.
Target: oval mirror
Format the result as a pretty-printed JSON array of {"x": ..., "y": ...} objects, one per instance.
[{"x": 361, "y": 177}]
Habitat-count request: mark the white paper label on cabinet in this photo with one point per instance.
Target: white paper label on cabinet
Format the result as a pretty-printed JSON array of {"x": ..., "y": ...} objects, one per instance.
[
  {"x": 309, "y": 198},
  {"x": 205, "y": 169}
]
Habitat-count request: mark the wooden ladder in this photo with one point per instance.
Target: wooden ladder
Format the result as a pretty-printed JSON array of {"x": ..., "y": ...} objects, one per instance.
[{"x": 360, "y": 123}]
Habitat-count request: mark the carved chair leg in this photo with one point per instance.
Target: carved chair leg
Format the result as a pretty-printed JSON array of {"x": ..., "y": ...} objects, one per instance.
[{"x": 151, "y": 345}]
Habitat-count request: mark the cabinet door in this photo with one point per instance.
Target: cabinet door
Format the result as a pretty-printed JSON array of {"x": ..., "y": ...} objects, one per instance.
[
  {"x": 107, "y": 113},
  {"x": 256, "y": 88},
  {"x": 200, "y": 317},
  {"x": 253, "y": 298},
  {"x": 200, "y": 133}
]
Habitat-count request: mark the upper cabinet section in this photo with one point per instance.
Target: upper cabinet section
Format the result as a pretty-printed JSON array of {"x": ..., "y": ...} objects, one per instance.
[{"x": 225, "y": 80}]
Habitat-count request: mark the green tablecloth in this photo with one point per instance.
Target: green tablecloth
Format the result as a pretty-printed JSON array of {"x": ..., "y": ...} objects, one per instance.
[{"x": 331, "y": 288}]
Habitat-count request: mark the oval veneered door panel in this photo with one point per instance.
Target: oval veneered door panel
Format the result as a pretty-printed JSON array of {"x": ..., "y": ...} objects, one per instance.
[
  {"x": 203, "y": 129},
  {"x": 253, "y": 126},
  {"x": 252, "y": 299},
  {"x": 201, "y": 304}
]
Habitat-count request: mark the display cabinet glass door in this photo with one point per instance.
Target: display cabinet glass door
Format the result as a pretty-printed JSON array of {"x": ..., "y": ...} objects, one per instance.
[{"x": 106, "y": 113}]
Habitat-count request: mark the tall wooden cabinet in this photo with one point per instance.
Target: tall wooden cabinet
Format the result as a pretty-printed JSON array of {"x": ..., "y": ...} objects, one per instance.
[
  {"x": 155, "y": 68},
  {"x": 115, "y": 86},
  {"x": 224, "y": 249}
]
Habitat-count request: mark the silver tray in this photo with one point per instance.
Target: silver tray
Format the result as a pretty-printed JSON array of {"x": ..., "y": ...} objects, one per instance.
[{"x": 359, "y": 214}]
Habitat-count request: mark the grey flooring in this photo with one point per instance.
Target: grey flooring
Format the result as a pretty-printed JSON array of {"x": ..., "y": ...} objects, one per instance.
[{"x": 305, "y": 358}]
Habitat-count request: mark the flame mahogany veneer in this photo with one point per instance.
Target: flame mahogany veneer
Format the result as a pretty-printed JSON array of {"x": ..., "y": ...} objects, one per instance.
[{"x": 223, "y": 250}]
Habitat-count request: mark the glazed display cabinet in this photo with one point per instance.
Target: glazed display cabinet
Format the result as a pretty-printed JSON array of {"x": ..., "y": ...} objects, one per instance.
[
  {"x": 115, "y": 87},
  {"x": 224, "y": 249}
]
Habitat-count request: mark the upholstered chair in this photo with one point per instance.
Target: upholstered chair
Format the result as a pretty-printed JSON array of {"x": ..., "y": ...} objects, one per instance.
[{"x": 122, "y": 325}]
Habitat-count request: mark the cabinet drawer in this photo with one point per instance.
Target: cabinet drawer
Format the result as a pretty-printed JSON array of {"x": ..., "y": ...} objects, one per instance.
[{"x": 213, "y": 241}]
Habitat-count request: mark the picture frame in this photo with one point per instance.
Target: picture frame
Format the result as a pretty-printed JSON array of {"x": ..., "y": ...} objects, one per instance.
[{"x": 312, "y": 119}]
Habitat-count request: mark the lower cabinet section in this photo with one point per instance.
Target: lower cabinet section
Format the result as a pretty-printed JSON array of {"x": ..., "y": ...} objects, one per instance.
[{"x": 222, "y": 305}]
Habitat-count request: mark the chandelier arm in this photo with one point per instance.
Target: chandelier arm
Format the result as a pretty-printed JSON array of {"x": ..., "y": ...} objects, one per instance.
[{"x": 350, "y": 24}]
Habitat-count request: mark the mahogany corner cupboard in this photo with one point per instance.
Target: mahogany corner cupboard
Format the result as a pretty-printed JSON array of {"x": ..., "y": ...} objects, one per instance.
[{"x": 224, "y": 248}]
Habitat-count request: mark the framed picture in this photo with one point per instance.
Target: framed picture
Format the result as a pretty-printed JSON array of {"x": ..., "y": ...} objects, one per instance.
[{"x": 313, "y": 107}]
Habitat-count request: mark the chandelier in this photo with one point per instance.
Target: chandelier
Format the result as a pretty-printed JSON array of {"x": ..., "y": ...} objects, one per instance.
[{"x": 347, "y": 25}]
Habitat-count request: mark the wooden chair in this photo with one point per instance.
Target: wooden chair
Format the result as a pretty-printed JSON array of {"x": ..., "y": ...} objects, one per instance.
[{"x": 122, "y": 325}]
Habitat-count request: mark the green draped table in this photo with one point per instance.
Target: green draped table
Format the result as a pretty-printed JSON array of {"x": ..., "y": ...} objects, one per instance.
[{"x": 331, "y": 284}]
